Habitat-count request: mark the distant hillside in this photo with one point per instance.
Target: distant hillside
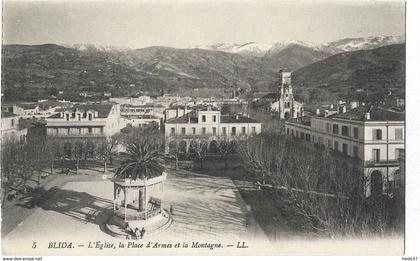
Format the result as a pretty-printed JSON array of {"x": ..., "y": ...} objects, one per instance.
[
  {"x": 295, "y": 56},
  {"x": 31, "y": 72},
  {"x": 377, "y": 71},
  {"x": 35, "y": 72},
  {"x": 365, "y": 43}
]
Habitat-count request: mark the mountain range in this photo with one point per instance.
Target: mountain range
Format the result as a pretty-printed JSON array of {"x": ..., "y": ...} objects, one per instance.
[{"x": 31, "y": 71}]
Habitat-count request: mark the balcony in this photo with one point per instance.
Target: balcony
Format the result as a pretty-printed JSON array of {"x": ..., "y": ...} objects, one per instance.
[
  {"x": 62, "y": 123},
  {"x": 382, "y": 163},
  {"x": 85, "y": 135}
]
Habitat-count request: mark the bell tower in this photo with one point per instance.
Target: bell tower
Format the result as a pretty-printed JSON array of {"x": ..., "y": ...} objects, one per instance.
[{"x": 285, "y": 94}]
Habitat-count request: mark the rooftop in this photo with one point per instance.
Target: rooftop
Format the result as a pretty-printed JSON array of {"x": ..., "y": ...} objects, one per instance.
[
  {"x": 376, "y": 114},
  {"x": 103, "y": 109},
  {"x": 28, "y": 106},
  {"x": 192, "y": 118}
]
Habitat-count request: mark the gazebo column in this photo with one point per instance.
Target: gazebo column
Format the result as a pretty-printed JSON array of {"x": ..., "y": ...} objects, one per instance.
[
  {"x": 161, "y": 197},
  {"x": 115, "y": 194},
  {"x": 145, "y": 201},
  {"x": 125, "y": 203},
  {"x": 141, "y": 198}
]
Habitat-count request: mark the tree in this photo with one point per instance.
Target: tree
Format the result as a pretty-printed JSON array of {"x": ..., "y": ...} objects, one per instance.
[
  {"x": 78, "y": 151},
  {"x": 107, "y": 149},
  {"x": 264, "y": 155},
  {"x": 140, "y": 160},
  {"x": 53, "y": 151},
  {"x": 226, "y": 148},
  {"x": 175, "y": 151},
  {"x": 199, "y": 150}
]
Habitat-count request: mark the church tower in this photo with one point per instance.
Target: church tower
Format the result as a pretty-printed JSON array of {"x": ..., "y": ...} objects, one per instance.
[{"x": 286, "y": 99}]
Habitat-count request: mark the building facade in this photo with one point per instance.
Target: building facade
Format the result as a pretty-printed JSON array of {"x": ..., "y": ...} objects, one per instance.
[
  {"x": 207, "y": 124},
  {"x": 373, "y": 136},
  {"x": 85, "y": 121},
  {"x": 11, "y": 131},
  {"x": 84, "y": 124}
]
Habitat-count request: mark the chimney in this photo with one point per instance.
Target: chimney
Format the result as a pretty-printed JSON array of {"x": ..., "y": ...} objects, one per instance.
[
  {"x": 344, "y": 109},
  {"x": 317, "y": 112},
  {"x": 353, "y": 105},
  {"x": 326, "y": 113},
  {"x": 367, "y": 115},
  {"x": 237, "y": 116},
  {"x": 332, "y": 106},
  {"x": 209, "y": 108},
  {"x": 189, "y": 119}
]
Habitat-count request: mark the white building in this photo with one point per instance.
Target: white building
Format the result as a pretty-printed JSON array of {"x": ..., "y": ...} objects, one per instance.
[
  {"x": 10, "y": 129},
  {"x": 140, "y": 120},
  {"x": 208, "y": 124},
  {"x": 372, "y": 135},
  {"x": 85, "y": 121},
  {"x": 28, "y": 110},
  {"x": 176, "y": 112}
]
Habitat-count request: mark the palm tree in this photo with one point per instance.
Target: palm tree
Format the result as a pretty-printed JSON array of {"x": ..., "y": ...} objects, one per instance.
[{"x": 140, "y": 161}]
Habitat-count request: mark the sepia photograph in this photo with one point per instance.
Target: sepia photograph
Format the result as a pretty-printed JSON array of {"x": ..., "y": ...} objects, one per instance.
[{"x": 228, "y": 127}]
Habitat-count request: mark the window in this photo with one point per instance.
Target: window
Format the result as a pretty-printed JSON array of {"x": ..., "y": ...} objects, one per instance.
[
  {"x": 214, "y": 130},
  {"x": 214, "y": 118},
  {"x": 292, "y": 133},
  {"x": 243, "y": 130},
  {"x": 356, "y": 132},
  {"x": 286, "y": 105},
  {"x": 203, "y": 130},
  {"x": 328, "y": 127},
  {"x": 320, "y": 140},
  {"x": 224, "y": 131},
  {"x": 399, "y": 153},
  {"x": 355, "y": 151},
  {"x": 203, "y": 118},
  {"x": 335, "y": 128},
  {"x": 253, "y": 130},
  {"x": 233, "y": 133},
  {"x": 345, "y": 148},
  {"x": 335, "y": 145},
  {"x": 398, "y": 134},
  {"x": 329, "y": 143},
  {"x": 344, "y": 130},
  {"x": 302, "y": 135},
  {"x": 13, "y": 122},
  {"x": 67, "y": 117},
  {"x": 377, "y": 134},
  {"x": 183, "y": 131},
  {"x": 89, "y": 130},
  {"x": 172, "y": 131},
  {"x": 90, "y": 116},
  {"x": 287, "y": 131},
  {"x": 193, "y": 130},
  {"x": 308, "y": 137},
  {"x": 376, "y": 155},
  {"x": 79, "y": 116}
]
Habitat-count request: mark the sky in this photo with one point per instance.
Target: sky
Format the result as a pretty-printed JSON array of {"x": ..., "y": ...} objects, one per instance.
[{"x": 186, "y": 23}]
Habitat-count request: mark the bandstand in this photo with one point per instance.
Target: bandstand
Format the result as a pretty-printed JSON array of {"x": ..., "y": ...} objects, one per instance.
[
  {"x": 138, "y": 204},
  {"x": 139, "y": 201}
]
